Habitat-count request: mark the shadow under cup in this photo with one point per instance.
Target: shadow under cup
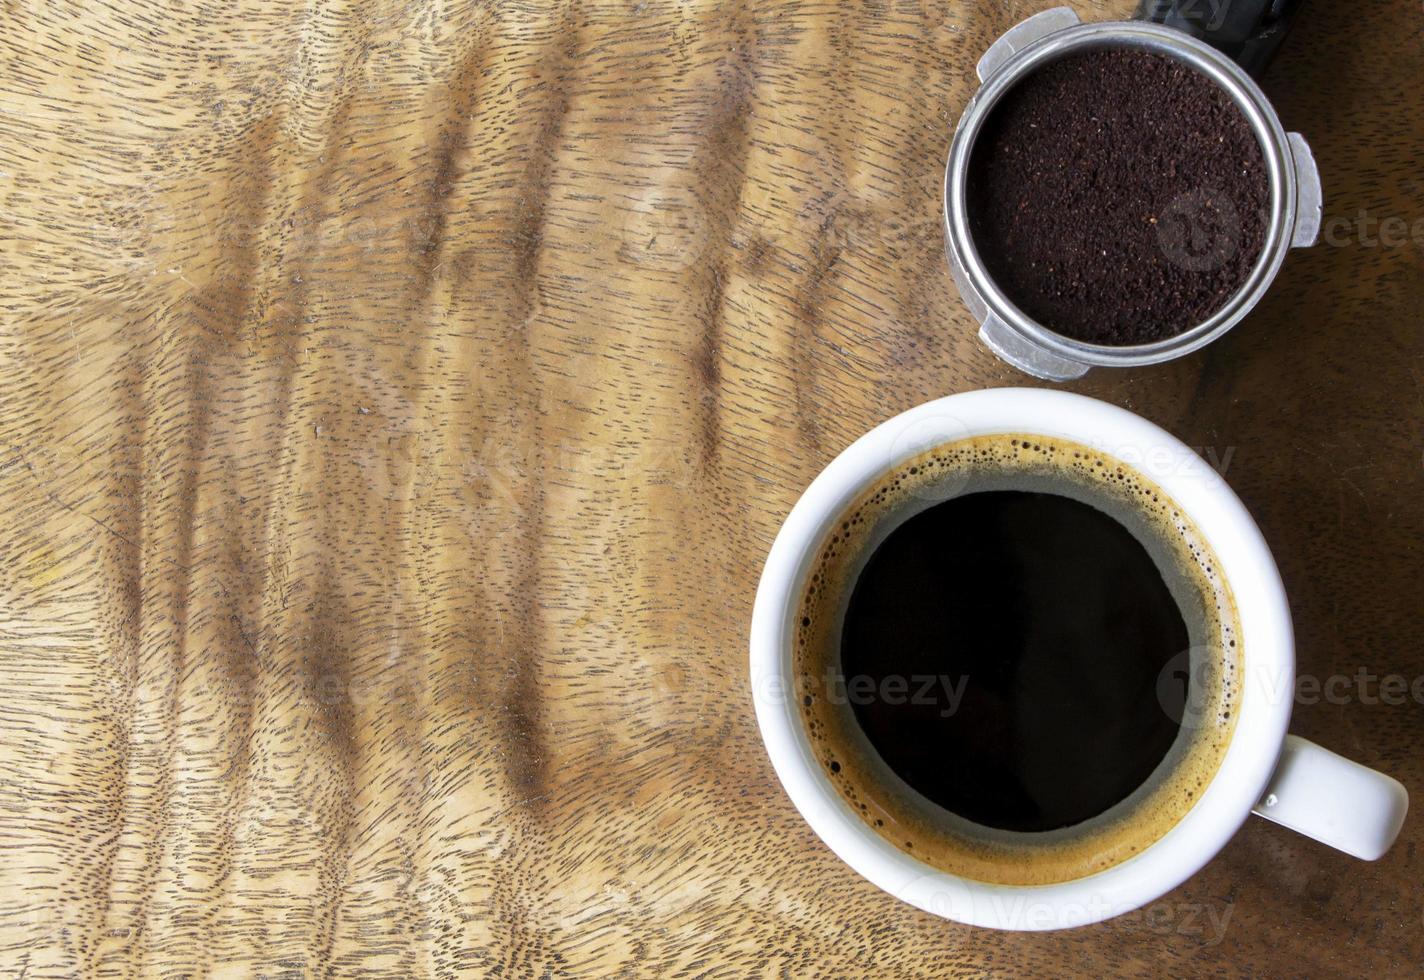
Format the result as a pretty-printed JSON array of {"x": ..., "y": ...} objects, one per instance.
[{"x": 1200, "y": 689}]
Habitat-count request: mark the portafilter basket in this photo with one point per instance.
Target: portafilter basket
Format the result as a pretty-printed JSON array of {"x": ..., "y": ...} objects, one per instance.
[{"x": 1220, "y": 48}]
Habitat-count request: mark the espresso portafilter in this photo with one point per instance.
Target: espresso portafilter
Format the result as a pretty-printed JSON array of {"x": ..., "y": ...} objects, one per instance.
[{"x": 1227, "y": 42}]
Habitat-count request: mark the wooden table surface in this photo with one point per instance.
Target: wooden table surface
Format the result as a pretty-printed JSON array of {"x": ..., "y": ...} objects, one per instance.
[{"x": 397, "y": 401}]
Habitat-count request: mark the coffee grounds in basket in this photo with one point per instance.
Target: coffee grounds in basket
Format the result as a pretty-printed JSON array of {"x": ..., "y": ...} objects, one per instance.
[{"x": 1118, "y": 196}]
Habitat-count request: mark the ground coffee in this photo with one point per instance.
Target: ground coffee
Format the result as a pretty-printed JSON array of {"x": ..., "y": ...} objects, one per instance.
[{"x": 1118, "y": 196}]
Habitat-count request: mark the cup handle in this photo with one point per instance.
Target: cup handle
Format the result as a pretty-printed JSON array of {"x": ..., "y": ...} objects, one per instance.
[{"x": 1333, "y": 800}]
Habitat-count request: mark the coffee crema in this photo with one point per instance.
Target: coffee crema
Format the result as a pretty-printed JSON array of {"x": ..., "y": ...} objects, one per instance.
[{"x": 1016, "y": 802}]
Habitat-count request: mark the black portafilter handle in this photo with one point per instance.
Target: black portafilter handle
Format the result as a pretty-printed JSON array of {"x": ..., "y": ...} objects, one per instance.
[{"x": 1246, "y": 31}]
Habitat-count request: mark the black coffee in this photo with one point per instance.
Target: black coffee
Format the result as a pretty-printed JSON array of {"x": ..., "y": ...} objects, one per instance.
[
  {"x": 1047, "y": 628},
  {"x": 987, "y": 647}
]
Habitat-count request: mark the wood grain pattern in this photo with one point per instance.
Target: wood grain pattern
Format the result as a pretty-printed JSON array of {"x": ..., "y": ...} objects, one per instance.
[{"x": 397, "y": 401}]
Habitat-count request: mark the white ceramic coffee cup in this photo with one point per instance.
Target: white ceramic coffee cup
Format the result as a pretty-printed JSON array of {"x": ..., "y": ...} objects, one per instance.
[{"x": 1278, "y": 776}]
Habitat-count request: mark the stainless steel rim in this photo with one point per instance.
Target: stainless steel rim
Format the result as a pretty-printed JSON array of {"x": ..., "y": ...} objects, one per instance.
[{"x": 1210, "y": 62}]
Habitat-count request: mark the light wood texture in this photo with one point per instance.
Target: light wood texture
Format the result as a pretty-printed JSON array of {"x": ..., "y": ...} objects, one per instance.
[{"x": 397, "y": 401}]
